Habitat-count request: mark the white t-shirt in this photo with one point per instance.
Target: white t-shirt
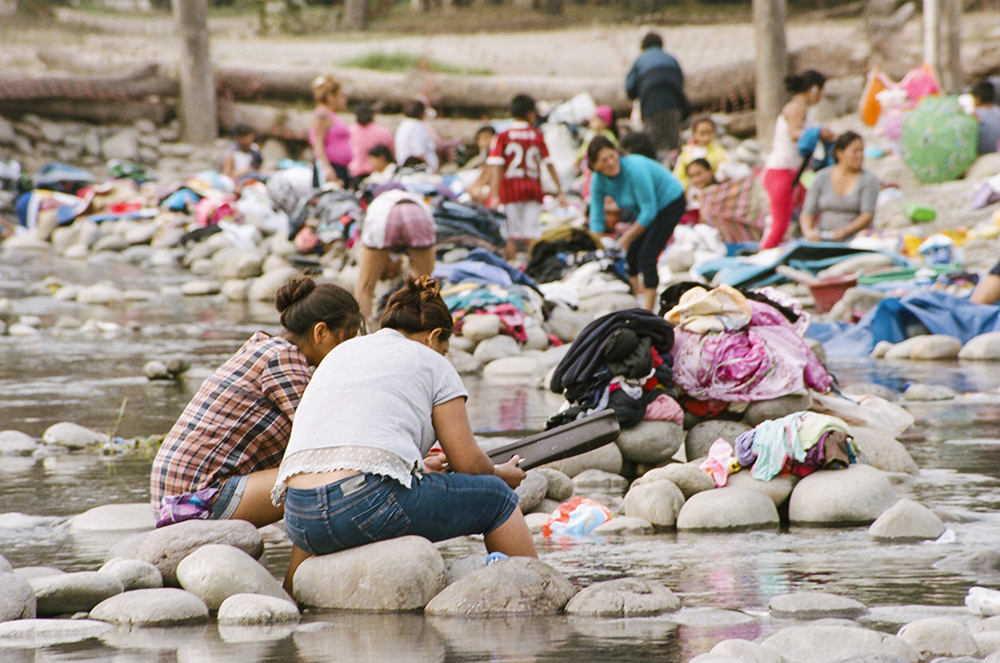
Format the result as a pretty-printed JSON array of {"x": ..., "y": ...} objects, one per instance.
[
  {"x": 413, "y": 140},
  {"x": 375, "y": 391}
]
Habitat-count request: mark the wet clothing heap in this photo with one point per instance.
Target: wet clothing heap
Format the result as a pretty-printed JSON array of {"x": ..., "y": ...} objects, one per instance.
[
  {"x": 620, "y": 361},
  {"x": 799, "y": 443},
  {"x": 729, "y": 347},
  {"x": 512, "y": 304},
  {"x": 571, "y": 264}
]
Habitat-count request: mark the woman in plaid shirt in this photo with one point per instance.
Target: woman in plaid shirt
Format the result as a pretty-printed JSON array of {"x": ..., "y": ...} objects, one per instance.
[{"x": 232, "y": 435}]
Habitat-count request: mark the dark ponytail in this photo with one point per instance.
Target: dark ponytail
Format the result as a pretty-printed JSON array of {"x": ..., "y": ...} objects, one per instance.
[
  {"x": 418, "y": 307},
  {"x": 798, "y": 83},
  {"x": 302, "y": 303}
]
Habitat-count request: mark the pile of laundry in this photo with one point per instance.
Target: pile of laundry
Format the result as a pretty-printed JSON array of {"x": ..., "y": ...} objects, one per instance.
[
  {"x": 513, "y": 305},
  {"x": 571, "y": 264},
  {"x": 621, "y": 362},
  {"x": 800, "y": 443}
]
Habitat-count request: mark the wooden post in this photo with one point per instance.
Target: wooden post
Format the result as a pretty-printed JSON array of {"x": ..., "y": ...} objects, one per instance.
[
  {"x": 952, "y": 68},
  {"x": 932, "y": 34},
  {"x": 771, "y": 64},
  {"x": 356, "y": 14},
  {"x": 198, "y": 104}
]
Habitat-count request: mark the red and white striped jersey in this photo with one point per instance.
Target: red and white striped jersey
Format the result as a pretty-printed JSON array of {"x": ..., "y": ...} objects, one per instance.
[{"x": 520, "y": 151}]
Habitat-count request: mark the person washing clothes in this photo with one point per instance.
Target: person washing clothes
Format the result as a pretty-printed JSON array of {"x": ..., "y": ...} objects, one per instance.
[
  {"x": 782, "y": 166},
  {"x": 516, "y": 159},
  {"x": 649, "y": 191},
  {"x": 701, "y": 146}
]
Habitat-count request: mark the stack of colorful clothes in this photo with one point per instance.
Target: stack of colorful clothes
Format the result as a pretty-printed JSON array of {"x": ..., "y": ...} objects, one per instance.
[
  {"x": 622, "y": 362},
  {"x": 740, "y": 347},
  {"x": 512, "y": 304},
  {"x": 800, "y": 444}
]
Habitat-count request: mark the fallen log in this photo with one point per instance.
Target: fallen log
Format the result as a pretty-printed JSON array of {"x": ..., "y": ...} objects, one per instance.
[
  {"x": 159, "y": 111},
  {"x": 143, "y": 82}
]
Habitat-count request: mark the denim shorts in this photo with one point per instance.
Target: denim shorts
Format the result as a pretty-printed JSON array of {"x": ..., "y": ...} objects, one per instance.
[
  {"x": 228, "y": 498},
  {"x": 365, "y": 508}
]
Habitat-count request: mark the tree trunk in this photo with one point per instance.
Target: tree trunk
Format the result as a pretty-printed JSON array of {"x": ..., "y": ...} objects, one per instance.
[
  {"x": 356, "y": 14},
  {"x": 198, "y": 107},
  {"x": 951, "y": 73},
  {"x": 932, "y": 34},
  {"x": 771, "y": 64}
]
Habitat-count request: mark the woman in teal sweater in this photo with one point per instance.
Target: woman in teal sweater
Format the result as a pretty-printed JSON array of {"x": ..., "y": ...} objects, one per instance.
[{"x": 649, "y": 191}]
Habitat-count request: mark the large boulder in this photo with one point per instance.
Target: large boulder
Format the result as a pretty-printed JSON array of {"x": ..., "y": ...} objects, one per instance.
[
  {"x": 257, "y": 610},
  {"x": 807, "y": 605},
  {"x": 816, "y": 643},
  {"x": 532, "y": 490},
  {"x": 607, "y": 459},
  {"x": 73, "y": 436},
  {"x": 728, "y": 508},
  {"x": 215, "y": 572},
  {"x": 17, "y": 598},
  {"x": 883, "y": 452},
  {"x": 560, "y": 486},
  {"x": 133, "y": 573},
  {"x": 625, "y": 597},
  {"x": 985, "y": 347},
  {"x": 701, "y": 437},
  {"x": 73, "y": 592},
  {"x": 165, "y": 606},
  {"x": 778, "y": 488},
  {"x": 164, "y": 548},
  {"x": 775, "y": 408},
  {"x": 265, "y": 287},
  {"x": 685, "y": 476},
  {"x": 115, "y": 518},
  {"x": 651, "y": 442},
  {"x": 495, "y": 348},
  {"x": 939, "y": 636},
  {"x": 396, "y": 574},
  {"x": 657, "y": 502},
  {"x": 234, "y": 263},
  {"x": 907, "y": 520},
  {"x": 514, "y": 586},
  {"x": 477, "y": 327},
  {"x": 745, "y": 651},
  {"x": 852, "y": 496},
  {"x": 565, "y": 324},
  {"x": 38, "y": 633},
  {"x": 16, "y": 443}
]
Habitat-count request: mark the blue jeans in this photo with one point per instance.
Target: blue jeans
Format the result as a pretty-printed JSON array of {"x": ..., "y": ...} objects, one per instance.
[{"x": 366, "y": 508}]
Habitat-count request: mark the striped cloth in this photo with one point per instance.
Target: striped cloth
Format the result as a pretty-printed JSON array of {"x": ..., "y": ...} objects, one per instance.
[
  {"x": 239, "y": 421},
  {"x": 736, "y": 208}
]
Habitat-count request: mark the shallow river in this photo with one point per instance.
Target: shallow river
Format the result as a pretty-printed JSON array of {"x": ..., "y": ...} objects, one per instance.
[{"x": 724, "y": 580}]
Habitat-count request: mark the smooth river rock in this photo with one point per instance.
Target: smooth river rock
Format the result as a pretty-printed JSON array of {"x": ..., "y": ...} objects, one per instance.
[
  {"x": 985, "y": 347},
  {"x": 701, "y": 437},
  {"x": 807, "y": 605},
  {"x": 72, "y": 436},
  {"x": 819, "y": 643},
  {"x": 234, "y": 263},
  {"x": 17, "y": 598},
  {"x": 37, "y": 633},
  {"x": 477, "y": 327},
  {"x": 514, "y": 586},
  {"x": 265, "y": 287},
  {"x": 73, "y": 592},
  {"x": 932, "y": 346},
  {"x": 510, "y": 369},
  {"x": 746, "y": 651},
  {"x": 598, "y": 481},
  {"x": 607, "y": 458},
  {"x": 928, "y": 392},
  {"x": 100, "y": 294},
  {"x": 495, "y": 348},
  {"x": 907, "y": 520},
  {"x": 164, "y": 548},
  {"x": 215, "y": 572},
  {"x": 651, "y": 442},
  {"x": 257, "y": 610},
  {"x": 16, "y": 443},
  {"x": 464, "y": 362},
  {"x": 775, "y": 408},
  {"x": 623, "y": 525},
  {"x": 939, "y": 636},
  {"x": 396, "y": 574},
  {"x": 115, "y": 518},
  {"x": 728, "y": 508},
  {"x": 777, "y": 489},
  {"x": 5, "y": 566},
  {"x": 856, "y": 495},
  {"x": 532, "y": 490},
  {"x": 624, "y": 597},
  {"x": 166, "y": 606},
  {"x": 657, "y": 502},
  {"x": 560, "y": 486},
  {"x": 685, "y": 476},
  {"x": 883, "y": 452},
  {"x": 133, "y": 573}
]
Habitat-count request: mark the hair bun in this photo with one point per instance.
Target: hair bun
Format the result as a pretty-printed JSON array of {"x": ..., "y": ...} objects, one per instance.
[
  {"x": 297, "y": 289},
  {"x": 427, "y": 287}
]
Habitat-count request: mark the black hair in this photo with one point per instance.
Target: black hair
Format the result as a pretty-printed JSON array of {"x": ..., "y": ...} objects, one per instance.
[
  {"x": 798, "y": 83},
  {"x": 700, "y": 162},
  {"x": 639, "y": 142},
  {"x": 651, "y": 40},
  {"x": 486, "y": 129},
  {"x": 702, "y": 119},
  {"x": 242, "y": 130},
  {"x": 521, "y": 106},
  {"x": 598, "y": 143},
  {"x": 381, "y": 151},
  {"x": 414, "y": 108},
  {"x": 985, "y": 92},
  {"x": 303, "y": 303},
  {"x": 844, "y": 140},
  {"x": 364, "y": 114},
  {"x": 414, "y": 162},
  {"x": 417, "y": 307}
]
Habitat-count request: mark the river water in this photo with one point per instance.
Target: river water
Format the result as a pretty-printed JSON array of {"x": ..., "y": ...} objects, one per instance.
[{"x": 94, "y": 378}]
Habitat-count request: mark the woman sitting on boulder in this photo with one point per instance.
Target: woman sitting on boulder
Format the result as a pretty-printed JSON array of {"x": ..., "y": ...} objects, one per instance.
[
  {"x": 353, "y": 475},
  {"x": 220, "y": 459},
  {"x": 841, "y": 200}
]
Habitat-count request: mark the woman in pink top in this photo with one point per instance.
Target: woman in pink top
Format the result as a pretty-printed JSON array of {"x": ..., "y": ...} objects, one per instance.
[
  {"x": 366, "y": 134},
  {"x": 328, "y": 135}
]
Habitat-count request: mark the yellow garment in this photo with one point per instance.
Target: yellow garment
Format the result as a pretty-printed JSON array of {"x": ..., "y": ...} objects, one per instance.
[
  {"x": 565, "y": 232},
  {"x": 581, "y": 154},
  {"x": 813, "y": 425},
  {"x": 703, "y": 311},
  {"x": 714, "y": 153}
]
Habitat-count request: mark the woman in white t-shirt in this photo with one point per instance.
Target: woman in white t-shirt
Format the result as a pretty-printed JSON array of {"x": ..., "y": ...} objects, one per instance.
[{"x": 354, "y": 471}]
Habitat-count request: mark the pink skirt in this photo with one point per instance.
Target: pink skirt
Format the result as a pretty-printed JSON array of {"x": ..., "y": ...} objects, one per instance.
[{"x": 408, "y": 224}]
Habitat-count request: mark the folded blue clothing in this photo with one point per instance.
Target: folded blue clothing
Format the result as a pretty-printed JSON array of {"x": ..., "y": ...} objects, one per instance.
[{"x": 471, "y": 270}]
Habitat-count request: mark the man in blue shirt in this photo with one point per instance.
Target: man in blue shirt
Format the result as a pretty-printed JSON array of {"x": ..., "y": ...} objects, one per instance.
[{"x": 657, "y": 82}]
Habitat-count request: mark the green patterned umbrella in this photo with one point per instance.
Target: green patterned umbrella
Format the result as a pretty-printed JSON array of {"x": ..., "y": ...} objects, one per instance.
[{"x": 939, "y": 140}]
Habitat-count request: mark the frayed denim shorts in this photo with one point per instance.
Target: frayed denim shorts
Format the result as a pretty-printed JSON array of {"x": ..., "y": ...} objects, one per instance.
[{"x": 365, "y": 508}]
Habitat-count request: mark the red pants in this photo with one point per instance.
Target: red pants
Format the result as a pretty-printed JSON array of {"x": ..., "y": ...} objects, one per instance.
[{"x": 781, "y": 191}]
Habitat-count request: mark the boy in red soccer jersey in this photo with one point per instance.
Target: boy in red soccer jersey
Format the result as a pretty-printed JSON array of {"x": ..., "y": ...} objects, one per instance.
[{"x": 516, "y": 157}]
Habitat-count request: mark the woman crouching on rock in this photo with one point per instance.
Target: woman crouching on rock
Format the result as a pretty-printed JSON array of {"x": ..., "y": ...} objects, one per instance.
[
  {"x": 220, "y": 459},
  {"x": 353, "y": 474}
]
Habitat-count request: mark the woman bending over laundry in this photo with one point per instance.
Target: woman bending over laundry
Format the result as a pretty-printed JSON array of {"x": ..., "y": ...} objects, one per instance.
[
  {"x": 649, "y": 191},
  {"x": 232, "y": 435},
  {"x": 353, "y": 475}
]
